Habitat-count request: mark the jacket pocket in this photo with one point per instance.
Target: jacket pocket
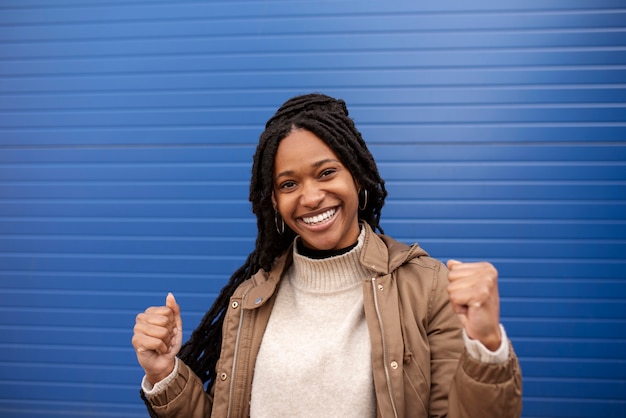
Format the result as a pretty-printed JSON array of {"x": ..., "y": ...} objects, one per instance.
[{"x": 416, "y": 388}]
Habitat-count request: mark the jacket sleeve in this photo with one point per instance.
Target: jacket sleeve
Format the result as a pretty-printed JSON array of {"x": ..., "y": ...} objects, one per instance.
[
  {"x": 476, "y": 389},
  {"x": 486, "y": 390},
  {"x": 184, "y": 397}
]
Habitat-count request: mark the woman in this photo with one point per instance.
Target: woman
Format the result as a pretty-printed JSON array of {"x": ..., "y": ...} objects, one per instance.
[{"x": 327, "y": 317}]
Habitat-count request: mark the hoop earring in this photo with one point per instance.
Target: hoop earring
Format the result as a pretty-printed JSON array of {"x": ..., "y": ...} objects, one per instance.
[
  {"x": 362, "y": 207},
  {"x": 280, "y": 229}
]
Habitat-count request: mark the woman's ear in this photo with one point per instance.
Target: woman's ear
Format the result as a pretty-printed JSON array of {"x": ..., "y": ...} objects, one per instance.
[
  {"x": 274, "y": 202},
  {"x": 357, "y": 184}
]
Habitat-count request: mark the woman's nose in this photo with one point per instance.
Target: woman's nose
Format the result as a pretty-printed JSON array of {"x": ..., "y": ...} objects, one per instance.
[{"x": 311, "y": 196}]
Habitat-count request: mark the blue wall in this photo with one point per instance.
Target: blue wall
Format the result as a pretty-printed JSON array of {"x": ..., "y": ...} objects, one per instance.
[{"x": 126, "y": 135}]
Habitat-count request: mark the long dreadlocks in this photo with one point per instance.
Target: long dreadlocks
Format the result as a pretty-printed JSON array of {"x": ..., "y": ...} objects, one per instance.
[{"x": 328, "y": 119}]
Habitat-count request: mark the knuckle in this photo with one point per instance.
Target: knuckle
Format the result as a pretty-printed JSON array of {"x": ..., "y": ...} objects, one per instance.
[
  {"x": 135, "y": 341},
  {"x": 163, "y": 333}
]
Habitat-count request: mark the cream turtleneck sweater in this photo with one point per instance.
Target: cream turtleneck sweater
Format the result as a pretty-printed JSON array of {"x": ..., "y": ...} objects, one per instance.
[{"x": 315, "y": 357}]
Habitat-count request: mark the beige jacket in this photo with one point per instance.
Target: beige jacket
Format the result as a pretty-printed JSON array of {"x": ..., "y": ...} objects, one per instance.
[{"x": 421, "y": 368}]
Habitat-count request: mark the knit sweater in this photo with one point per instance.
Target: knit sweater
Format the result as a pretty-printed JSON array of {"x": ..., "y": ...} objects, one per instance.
[{"x": 315, "y": 357}]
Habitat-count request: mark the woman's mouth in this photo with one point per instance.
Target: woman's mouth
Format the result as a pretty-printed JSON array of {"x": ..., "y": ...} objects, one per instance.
[{"x": 317, "y": 219}]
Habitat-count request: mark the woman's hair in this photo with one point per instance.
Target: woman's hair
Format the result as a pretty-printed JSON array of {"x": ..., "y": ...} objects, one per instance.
[{"x": 328, "y": 119}]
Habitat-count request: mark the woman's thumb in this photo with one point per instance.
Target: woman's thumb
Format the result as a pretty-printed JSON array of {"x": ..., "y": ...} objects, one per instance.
[
  {"x": 452, "y": 262},
  {"x": 170, "y": 302}
]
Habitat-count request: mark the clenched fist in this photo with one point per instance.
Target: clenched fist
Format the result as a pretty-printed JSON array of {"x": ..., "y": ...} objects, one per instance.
[
  {"x": 157, "y": 338},
  {"x": 473, "y": 291}
]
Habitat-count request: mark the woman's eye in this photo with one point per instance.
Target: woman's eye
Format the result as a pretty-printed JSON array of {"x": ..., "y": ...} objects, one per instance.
[
  {"x": 327, "y": 172},
  {"x": 287, "y": 185}
]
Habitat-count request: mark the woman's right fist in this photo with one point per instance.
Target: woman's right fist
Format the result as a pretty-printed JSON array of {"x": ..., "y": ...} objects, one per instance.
[{"x": 157, "y": 338}]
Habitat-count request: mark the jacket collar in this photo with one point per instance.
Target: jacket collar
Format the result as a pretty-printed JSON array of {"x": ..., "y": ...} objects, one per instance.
[
  {"x": 380, "y": 253},
  {"x": 384, "y": 254}
]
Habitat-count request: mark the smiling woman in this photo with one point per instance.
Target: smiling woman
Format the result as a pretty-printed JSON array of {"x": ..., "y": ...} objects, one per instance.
[
  {"x": 314, "y": 193},
  {"x": 368, "y": 326}
]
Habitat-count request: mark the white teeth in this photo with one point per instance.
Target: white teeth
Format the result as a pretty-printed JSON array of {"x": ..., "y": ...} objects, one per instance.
[{"x": 319, "y": 218}]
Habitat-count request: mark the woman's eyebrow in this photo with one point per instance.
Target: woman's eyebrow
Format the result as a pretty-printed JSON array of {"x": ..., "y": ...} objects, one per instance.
[{"x": 314, "y": 165}]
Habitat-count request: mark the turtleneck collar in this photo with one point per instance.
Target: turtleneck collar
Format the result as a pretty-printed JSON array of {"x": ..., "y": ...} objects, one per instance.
[
  {"x": 336, "y": 272},
  {"x": 320, "y": 254}
]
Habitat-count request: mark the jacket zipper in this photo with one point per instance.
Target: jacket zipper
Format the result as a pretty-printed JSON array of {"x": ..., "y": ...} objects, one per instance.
[
  {"x": 382, "y": 333},
  {"x": 235, "y": 354}
]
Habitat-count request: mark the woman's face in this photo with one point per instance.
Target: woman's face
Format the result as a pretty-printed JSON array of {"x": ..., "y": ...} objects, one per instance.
[{"x": 315, "y": 193}]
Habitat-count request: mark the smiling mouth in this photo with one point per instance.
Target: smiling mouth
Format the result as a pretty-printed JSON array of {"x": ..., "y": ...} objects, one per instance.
[{"x": 317, "y": 219}]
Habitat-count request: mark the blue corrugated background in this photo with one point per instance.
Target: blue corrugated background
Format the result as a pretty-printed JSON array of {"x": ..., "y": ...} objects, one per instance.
[{"x": 126, "y": 135}]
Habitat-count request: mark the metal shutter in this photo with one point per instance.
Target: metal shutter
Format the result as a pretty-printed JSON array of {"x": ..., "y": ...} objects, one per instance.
[{"x": 126, "y": 135}]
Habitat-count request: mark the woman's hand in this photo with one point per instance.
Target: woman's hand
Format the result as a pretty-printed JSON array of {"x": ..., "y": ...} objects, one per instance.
[
  {"x": 158, "y": 336},
  {"x": 473, "y": 291}
]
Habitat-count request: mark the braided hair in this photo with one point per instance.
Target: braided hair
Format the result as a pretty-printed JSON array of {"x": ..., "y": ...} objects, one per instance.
[{"x": 328, "y": 119}]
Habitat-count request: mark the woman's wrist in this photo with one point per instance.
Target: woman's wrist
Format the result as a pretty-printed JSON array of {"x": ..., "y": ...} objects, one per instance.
[
  {"x": 152, "y": 387},
  {"x": 478, "y": 351},
  {"x": 154, "y": 378}
]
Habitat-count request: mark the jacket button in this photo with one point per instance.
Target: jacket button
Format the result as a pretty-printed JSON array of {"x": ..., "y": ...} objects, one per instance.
[
  {"x": 394, "y": 365},
  {"x": 380, "y": 287},
  {"x": 223, "y": 376},
  {"x": 235, "y": 305}
]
